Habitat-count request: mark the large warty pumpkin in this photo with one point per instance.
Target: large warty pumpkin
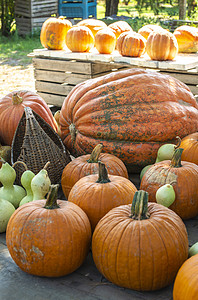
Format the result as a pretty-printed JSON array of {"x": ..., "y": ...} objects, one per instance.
[{"x": 131, "y": 112}]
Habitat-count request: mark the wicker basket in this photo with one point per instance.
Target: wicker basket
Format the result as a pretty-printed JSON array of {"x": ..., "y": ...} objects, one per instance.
[{"x": 35, "y": 143}]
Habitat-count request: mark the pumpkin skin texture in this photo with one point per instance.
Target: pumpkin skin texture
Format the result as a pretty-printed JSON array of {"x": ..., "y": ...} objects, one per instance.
[
  {"x": 105, "y": 41},
  {"x": 185, "y": 285},
  {"x": 140, "y": 254},
  {"x": 190, "y": 145},
  {"x": 50, "y": 242},
  {"x": 183, "y": 176},
  {"x": 97, "y": 194},
  {"x": 88, "y": 164},
  {"x": 53, "y": 33},
  {"x": 79, "y": 39},
  {"x": 161, "y": 45},
  {"x": 93, "y": 24},
  {"x": 129, "y": 127},
  {"x": 12, "y": 109},
  {"x": 187, "y": 39},
  {"x": 131, "y": 44},
  {"x": 119, "y": 27},
  {"x": 147, "y": 29}
]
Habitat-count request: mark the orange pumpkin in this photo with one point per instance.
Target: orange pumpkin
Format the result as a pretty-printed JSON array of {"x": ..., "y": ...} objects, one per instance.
[
  {"x": 79, "y": 39},
  {"x": 98, "y": 193},
  {"x": 131, "y": 112},
  {"x": 12, "y": 109},
  {"x": 49, "y": 238},
  {"x": 187, "y": 38},
  {"x": 161, "y": 45},
  {"x": 140, "y": 246},
  {"x": 88, "y": 164},
  {"x": 147, "y": 29},
  {"x": 93, "y": 24},
  {"x": 190, "y": 145},
  {"x": 131, "y": 44},
  {"x": 105, "y": 41},
  {"x": 119, "y": 27},
  {"x": 185, "y": 285},
  {"x": 53, "y": 33},
  {"x": 182, "y": 175}
]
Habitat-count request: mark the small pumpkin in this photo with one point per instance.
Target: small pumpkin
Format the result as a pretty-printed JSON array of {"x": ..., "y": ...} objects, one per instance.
[
  {"x": 182, "y": 175},
  {"x": 79, "y": 39},
  {"x": 12, "y": 108},
  {"x": 53, "y": 33},
  {"x": 88, "y": 164},
  {"x": 187, "y": 38},
  {"x": 147, "y": 29},
  {"x": 98, "y": 193},
  {"x": 105, "y": 41},
  {"x": 140, "y": 246},
  {"x": 185, "y": 285},
  {"x": 119, "y": 27},
  {"x": 162, "y": 45},
  {"x": 93, "y": 24},
  {"x": 190, "y": 145},
  {"x": 56, "y": 236},
  {"x": 131, "y": 44}
]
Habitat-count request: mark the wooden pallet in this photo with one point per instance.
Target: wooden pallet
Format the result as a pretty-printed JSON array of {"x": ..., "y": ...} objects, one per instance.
[{"x": 57, "y": 72}]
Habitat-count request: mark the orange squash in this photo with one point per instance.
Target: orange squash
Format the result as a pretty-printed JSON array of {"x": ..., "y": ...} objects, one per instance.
[
  {"x": 185, "y": 285},
  {"x": 182, "y": 175},
  {"x": 140, "y": 246},
  {"x": 119, "y": 27},
  {"x": 49, "y": 238},
  {"x": 187, "y": 38},
  {"x": 131, "y": 112},
  {"x": 93, "y": 24},
  {"x": 88, "y": 164},
  {"x": 53, "y": 33},
  {"x": 147, "y": 29},
  {"x": 105, "y": 41},
  {"x": 79, "y": 39},
  {"x": 190, "y": 145},
  {"x": 131, "y": 44},
  {"x": 161, "y": 45}
]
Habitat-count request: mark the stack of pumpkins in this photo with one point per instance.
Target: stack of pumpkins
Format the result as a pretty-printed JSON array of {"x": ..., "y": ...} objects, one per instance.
[{"x": 158, "y": 43}]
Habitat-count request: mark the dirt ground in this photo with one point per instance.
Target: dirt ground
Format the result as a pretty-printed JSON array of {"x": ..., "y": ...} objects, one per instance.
[{"x": 15, "y": 77}]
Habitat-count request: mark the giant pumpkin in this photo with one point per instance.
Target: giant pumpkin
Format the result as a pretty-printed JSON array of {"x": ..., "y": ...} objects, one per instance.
[{"x": 131, "y": 113}]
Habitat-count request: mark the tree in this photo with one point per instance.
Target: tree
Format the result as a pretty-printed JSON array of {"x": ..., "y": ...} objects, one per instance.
[
  {"x": 7, "y": 16},
  {"x": 182, "y": 9},
  {"x": 111, "y": 7}
]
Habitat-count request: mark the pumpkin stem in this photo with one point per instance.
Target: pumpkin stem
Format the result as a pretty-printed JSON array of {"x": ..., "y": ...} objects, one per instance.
[
  {"x": 52, "y": 196},
  {"x": 73, "y": 132},
  {"x": 102, "y": 174},
  {"x": 95, "y": 154},
  {"x": 46, "y": 165},
  {"x": 16, "y": 99},
  {"x": 178, "y": 142},
  {"x": 176, "y": 159},
  {"x": 139, "y": 207},
  {"x": 20, "y": 162}
]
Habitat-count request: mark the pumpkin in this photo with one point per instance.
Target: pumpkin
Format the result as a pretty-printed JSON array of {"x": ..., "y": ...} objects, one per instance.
[
  {"x": 187, "y": 38},
  {"x": 105, "y": 41},
  {"x": 98, "y": 193},
  {"x": 53, "y": 33},
  {"x": 140, "y": 246},
  {"x": 190, "y": 145},
  {"x": 147, "y": 29},
  {"x": 93, "y": 24},
  {"x": 12, "y": 108},
  {"x": 131, "y": 44},
  {"x": 48, "y": 237},
  {"x": 161, "y": 45},
  {"x": 185, "y": 285},
  {"x": 182, "y": 175},
  {"x": 131, "y": 112},
  {"x": 79, "y": 39},
  {"x": 119, "y": 27},
  {"x": 88, "y": 164}
]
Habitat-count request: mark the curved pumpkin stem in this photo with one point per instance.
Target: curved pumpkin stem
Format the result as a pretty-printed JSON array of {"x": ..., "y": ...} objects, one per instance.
[
  {"x": 139, "y": 207},
  {"x": 95, "y": 154},
  {"x": 176, "y": 159},
  {"x": 102, "y": 174},
  {"x": 178, "y": 142},
  {"x": 20, "y": 162},
  {"x": 52, "y": 196},
  {"x": 16, "y": 99}
]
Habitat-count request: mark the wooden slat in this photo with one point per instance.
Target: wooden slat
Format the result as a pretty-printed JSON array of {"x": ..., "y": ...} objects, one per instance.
[
  {"x": 49, "y": 87},
  {"x": 184, "y": 77},
  {"x": 52, "y": 99}
]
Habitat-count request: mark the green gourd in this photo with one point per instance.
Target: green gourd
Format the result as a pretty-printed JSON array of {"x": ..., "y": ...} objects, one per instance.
[
  {"x": 40, "y": 184},
  {"x": 6, "y": 210},
  {"x": 165, "y": 195},
  {"x": 193, "y": 250},
  {"x": 26, "y": 179},
  {"x": 9, "y": 191}
]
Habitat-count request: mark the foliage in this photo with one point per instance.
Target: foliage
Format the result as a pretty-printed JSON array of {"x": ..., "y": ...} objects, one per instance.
[{"x": 7, "y": 16}]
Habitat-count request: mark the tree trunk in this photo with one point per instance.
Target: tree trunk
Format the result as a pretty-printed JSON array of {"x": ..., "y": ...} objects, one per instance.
[
  {"x": 111, "y": 7},
  {"x": 182, "y": 9}
]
